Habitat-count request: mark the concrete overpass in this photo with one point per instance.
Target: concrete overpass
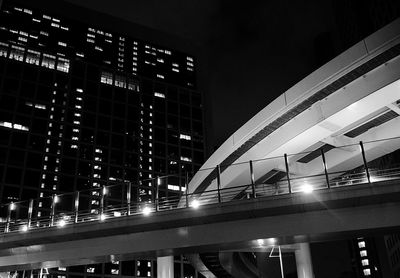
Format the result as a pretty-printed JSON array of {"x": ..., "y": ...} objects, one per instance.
[{"x": 277, "y": 220}]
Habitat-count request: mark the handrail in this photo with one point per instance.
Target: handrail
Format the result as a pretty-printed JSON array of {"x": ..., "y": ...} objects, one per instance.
[{"x": 115, "y": 200}]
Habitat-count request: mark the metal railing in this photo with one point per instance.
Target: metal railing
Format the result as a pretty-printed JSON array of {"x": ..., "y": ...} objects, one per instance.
[{"x": 287, "y": 174}]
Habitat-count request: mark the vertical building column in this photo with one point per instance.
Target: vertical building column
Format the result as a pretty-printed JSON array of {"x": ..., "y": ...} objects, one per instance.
[
  {"x": 165, "y": 267},
  {"x": 303, "y": 261}
]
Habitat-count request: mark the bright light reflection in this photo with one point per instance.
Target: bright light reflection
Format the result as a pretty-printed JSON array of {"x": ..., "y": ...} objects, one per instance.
[
  {"x": 12, "y": 206},
  {"x": 272, "y": 240},
  {"x": 260, "y": 241},
  {"x": 24, "y": 228},
  {"x": 195, "y": 204},
  {"x": 117, "y": 214},
  {"x": 102, "y": 217},
  {"x": 146, "y": 211},
  {"x": 307, "y": 188},
  {"x": 61, "y": 223}
]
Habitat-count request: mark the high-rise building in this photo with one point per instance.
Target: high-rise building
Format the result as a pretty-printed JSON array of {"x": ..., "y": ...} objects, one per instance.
[{"x": 85, "y": 106}]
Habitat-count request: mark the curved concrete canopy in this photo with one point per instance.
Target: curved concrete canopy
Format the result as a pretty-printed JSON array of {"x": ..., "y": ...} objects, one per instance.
[{"x": 360, "y": 85}]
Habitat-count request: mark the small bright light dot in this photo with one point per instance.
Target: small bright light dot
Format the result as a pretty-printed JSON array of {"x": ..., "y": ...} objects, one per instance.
[
  {"x": 307, "y": 188},
  {"x": 117, "y": 214},
  {"x": 104, "y": 191},
  {"x": 61, "y": 223},
  {"x": 146, "y": 210},
  {"x": 12, "y": 206},
  {"x": 24, "y": 228},
  {"x": 195, "y": 204},
  {"x": 102, "y": 217}
]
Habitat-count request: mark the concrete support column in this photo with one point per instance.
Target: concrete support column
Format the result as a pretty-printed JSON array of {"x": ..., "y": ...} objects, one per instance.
[
  {"x": 303, "y": 261},
  {"x": 165, "y": 267}
]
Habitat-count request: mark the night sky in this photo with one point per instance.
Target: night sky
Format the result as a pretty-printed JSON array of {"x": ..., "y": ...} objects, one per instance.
[{"x": 249, "y": 54}]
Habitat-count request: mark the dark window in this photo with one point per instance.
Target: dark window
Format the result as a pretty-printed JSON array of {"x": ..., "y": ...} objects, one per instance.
[{"x": 13, "y": 176}]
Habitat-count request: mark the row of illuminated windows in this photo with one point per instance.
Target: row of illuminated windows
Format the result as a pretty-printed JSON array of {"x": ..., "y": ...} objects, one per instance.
[
  {"x": 28, "y": 89},
  {"x": 34, "y": 57}
]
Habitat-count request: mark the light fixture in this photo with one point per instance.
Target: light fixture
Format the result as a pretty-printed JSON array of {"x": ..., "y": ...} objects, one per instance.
[
  {"x": 260, "y": 241},
  {"x": 195, "y": 204},
  {"x": 307, "y": 188},
  {"x": 146, "y": 210},
  {"x": 61, "y": 223},
  {"x": 117, "y": 213},
  {"x": 102, "y": 217},
  {"x": 24, "y": 228},
  {"x": 12, "y": 206}
]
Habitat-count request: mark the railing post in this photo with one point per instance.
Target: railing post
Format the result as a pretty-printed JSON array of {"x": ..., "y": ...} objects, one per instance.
[
  {"x": 8, "y": 220},
  {"x": 253, "y": 186},
  {"x": 30, "y": 211},
  {"x": 76, "y": 207},
  {"x": 128, "y": 197},
  {"x": 219, "y": 183},
  {"x": 287, "y": 173},
  {"x": 156, "y": 201},
  {"x": 187, "y": 188},
  {"x": 103, "y": 193},
  {"x": 365, "y": 162},
  {"x": 325, "y": 167},
  {"x": 53, "y": 209}
]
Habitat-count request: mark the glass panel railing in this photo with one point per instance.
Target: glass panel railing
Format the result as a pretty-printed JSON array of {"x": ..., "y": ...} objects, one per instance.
[
  {"x": 306, "y": 171},
  {"x": 234, "y": 181},
  {"x": 382, "y": 157},
  {"x": 270, "y": 176},
  {"x": 346, "y": 166}
]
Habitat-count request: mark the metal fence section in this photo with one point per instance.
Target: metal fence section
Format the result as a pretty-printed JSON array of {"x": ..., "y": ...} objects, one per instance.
[{"x": 323, "y": 168}]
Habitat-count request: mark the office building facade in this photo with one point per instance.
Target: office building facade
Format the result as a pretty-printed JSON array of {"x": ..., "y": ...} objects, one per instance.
[{"x": 83, "y": 107}]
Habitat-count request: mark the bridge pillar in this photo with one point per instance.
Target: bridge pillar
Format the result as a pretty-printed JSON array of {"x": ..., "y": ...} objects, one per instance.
[
  {"x": 165, "y": 267},
  {"x": 303, "y": 261}
]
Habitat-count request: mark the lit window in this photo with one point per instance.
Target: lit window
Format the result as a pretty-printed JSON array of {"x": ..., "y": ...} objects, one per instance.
[
  {"x": 32, "y": 57},
  {"x": 44, "y": 33},
  {"x": 184, "y": 158},
  {"x": 63, "y": 64},
  {"x": 98, "y": 48},
  {"x": 48, "y": 61},
  {"x": 365, "y": 262},
  {"x": 185, "y": 137},
  {"x": 367, "y": 272},
  {"x": 115, "y": 271},
  {"x": 36, "y": 20},
  {"x": 120, "y": 81},
  {"x": 64, "y": 28},
  {"x": 189, "y": 59},
  {"x": 363, "y": 253},
  {"x": 106, "y": 78},
  {"x": 160, "y": 95},
  {"x": 175, "y": 70},
  {"x": 160, "y": 76},
  {"x": 80, "y": 54},
  {"x": 90, "y": 40},
  {"x": 62, "y": 269},
  {"x": 62, "y": 44},
  {"x": 361, "y": 244},
  {"x": 90, "y": 270},
  {"x": 3, "y": 49},
  {"x": 17, "y": 53},
  {"x": 55, "y": 25}
]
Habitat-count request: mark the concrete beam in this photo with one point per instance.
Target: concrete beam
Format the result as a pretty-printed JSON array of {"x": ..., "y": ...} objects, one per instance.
[{"x": 339, "y": 212}]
